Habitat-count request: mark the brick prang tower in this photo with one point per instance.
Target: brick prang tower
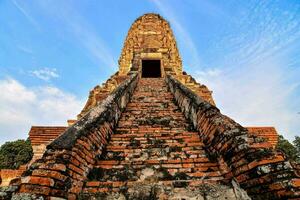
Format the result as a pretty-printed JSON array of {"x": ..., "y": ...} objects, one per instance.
[{"x": 152, "y": 132}]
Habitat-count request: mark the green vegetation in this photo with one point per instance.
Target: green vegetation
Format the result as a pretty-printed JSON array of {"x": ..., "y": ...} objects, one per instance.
[
  {"x": 297, "y": 143},
  {"x": 15, "y": 153},
  {"x": 291, "y": 151}
]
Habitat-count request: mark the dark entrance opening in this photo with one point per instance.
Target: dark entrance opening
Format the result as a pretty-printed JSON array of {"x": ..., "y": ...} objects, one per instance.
[{"x": 151, "y": 69}]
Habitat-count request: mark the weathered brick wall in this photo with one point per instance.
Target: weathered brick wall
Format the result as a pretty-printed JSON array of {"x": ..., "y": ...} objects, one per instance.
[
  {"x": 268, "y": 133},
  {"x": 99, "y": 93},
  {"x": 7, "y": 175},
  {"x": 40, "y": 137},
  {"x": 68, "y": 159},
  {"x": 263, "y": 172},
  {"x": 200, "y": 89}
]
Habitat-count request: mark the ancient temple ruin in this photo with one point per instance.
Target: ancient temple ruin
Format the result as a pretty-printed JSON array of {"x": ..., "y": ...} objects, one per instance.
[{"x": 152, "y": 132}]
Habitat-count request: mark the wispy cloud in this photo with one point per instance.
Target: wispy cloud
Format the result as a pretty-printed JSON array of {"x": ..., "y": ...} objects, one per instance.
[
  {"x": 254, "y": 98},
  {"x": 26, "y": 14},
  {"x": 75, "y": 24},
  {"x": 262, "y": 31},
  {"x": 257, "y": 82},
  {"x": 45, "y": 73},
  {"x": 21, "y": 107},
  {"x": 25, "y": 49},
  {"x": 211, "y": 72},
  {"x": 168, "y": 12}
]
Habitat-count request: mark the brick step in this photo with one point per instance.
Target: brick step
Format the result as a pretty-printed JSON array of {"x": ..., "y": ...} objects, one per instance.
[
  {"x": 155, "y": 145},
  {"x": 149, "y": 129},
  {"x": 154, "y": 153},
  {"x": 138, "y": 136},
  {"x": 150, "y": 110},
  {"x": 163, "y": 143},
  {"x": 153, "y": 123},
  {"x": 151, "y": 104},
  {"x": 152, "y": 140},
  {"x": 135, "y": 114},
  {"x": 193, "y": 172},
  {"x": 158, "y": 155},
  {"x": 154, "y": 172},
  {"x": 157, "y": 126},
  {"x": 146, "y": 96},
  {"x": 147, "y": 113},
  {"x": 142, "y": 99},
  {"x": 94, "y": 187},
  {"x": 159, "y": 116},
  {"x": 153, "y": 134},
  {"x": 152, "y": 113},
  {"x": 160, "y": 89},
  {"x": 165, "y": 121},
  {"x": 189, "y": 150},
  {"x": 195, "y": 162}
]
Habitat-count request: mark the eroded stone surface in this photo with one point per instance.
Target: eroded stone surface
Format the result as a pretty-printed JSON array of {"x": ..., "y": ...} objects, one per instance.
[
  {"x": 154, "y": 147},
  {"x": 159, "y": 191}
]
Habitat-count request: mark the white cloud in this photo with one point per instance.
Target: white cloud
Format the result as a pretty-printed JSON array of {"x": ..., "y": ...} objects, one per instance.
[
  {"x": 257, "y": 80},
  {"x": 21, "y": 107},
  {"x": 45, "y": 74},
  {"x": 209, "y": 73},
  {"x": 255, "y": 96}
]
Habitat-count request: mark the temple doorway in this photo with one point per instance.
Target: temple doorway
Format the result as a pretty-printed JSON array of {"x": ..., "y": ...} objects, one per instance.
[{"x": 151, "y": 69}]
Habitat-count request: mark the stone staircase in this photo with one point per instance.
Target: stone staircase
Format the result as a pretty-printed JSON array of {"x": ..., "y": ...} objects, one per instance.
[
  {"x": 137, "y": 144},
  {"x": 152, "y": 144}
]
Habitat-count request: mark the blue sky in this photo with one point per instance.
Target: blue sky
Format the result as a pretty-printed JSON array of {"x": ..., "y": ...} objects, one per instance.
[{"x": 53, "y": 52}]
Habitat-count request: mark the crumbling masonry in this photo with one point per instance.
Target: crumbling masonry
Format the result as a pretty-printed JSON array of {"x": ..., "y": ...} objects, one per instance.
[{"x": 152, "y": 132}]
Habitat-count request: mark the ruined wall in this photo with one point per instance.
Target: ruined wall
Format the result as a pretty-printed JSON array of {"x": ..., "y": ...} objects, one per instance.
[
  {"x": 68, "y": 159},
  {"x": 7, "y": 175},
  {"x": 268, "y": 133},
  {"x": 150, "y": 37},
  {"x": 99, "y": 93},
  {"x": 200, "y": 89},
  {"x": 260, "y": 170},
  {"x": 40, "y": 137}
]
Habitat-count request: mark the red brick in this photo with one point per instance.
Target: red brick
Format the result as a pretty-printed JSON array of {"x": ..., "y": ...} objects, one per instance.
[
  {"x": 38, "y": 180},
  {"x": 93, "y": 184},
  {"x": 296, "y": 182},
  {"x": 35, "y": 189}
]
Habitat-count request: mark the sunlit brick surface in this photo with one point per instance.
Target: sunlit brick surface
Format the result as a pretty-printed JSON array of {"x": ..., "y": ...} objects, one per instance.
[{"x": 153, "y": 133}]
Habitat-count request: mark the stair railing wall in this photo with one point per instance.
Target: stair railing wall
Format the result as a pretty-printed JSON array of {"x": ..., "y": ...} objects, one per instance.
[
  {"x": 69, "y": 158},
  {"x": 263, "y": 172}
]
